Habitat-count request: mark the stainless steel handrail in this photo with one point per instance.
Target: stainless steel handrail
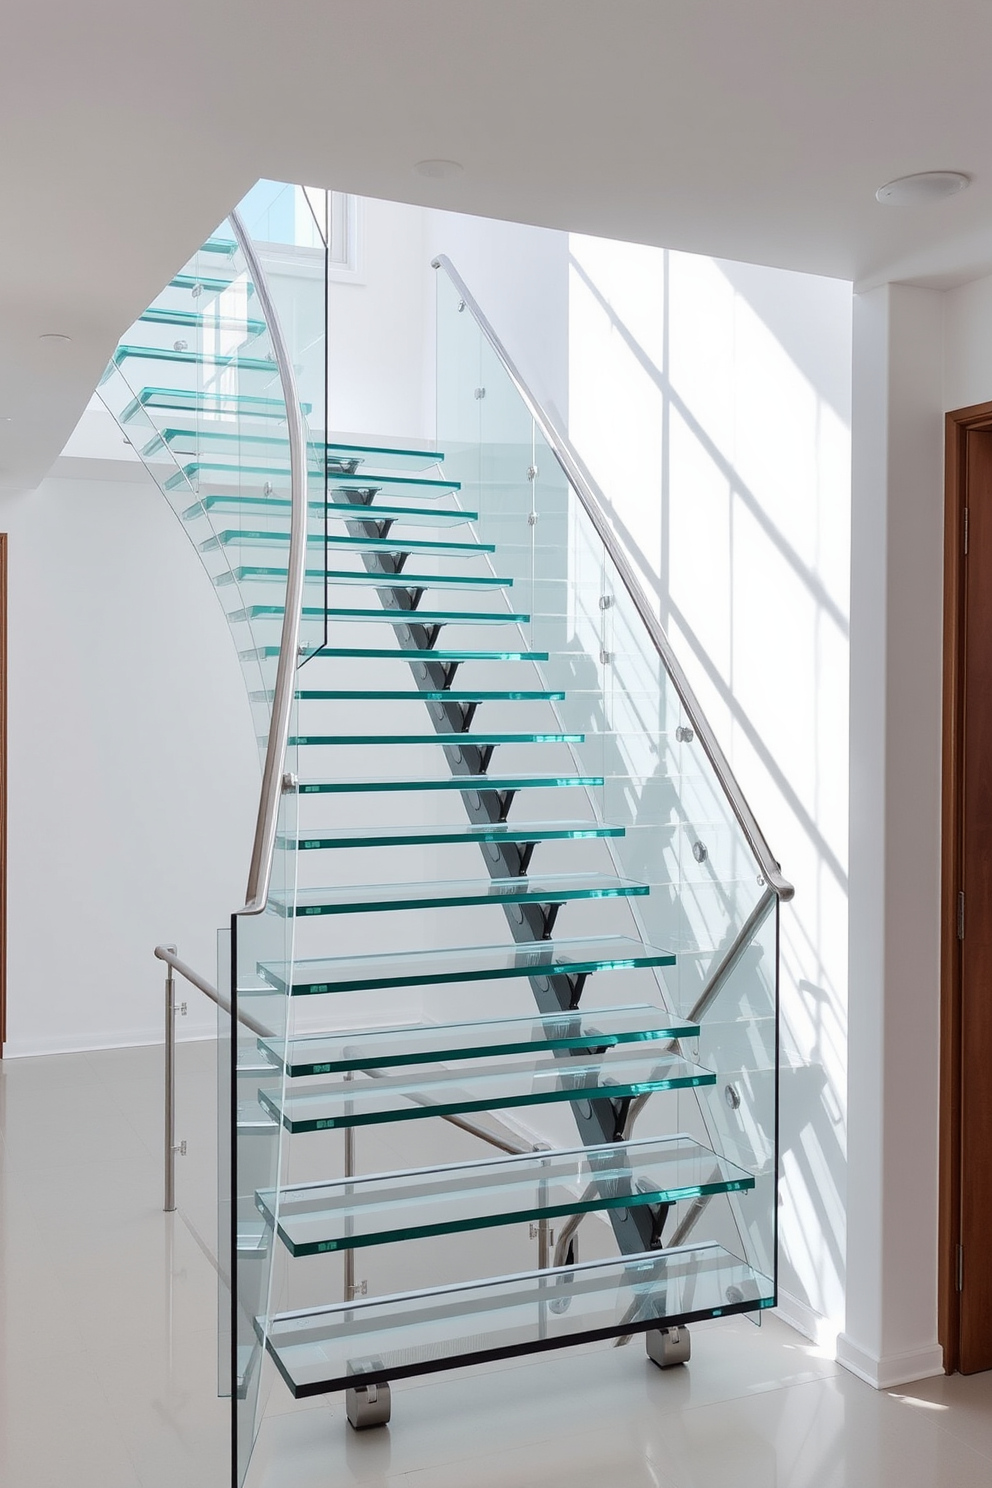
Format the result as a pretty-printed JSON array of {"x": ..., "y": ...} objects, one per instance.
[
  {"x": 263, "y": 846},
  {"x": 594, "y": 504}
]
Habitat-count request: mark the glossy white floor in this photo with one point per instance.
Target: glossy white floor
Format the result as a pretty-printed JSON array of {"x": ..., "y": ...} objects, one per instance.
[{"x": 107, "y": 1353}]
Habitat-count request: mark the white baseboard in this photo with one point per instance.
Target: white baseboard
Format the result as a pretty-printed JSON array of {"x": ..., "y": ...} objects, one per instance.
[
  {"x": 805, "y": 1319},
  {"x": 90, "y": 1043},
  {"x": 891, "y": 1369}
]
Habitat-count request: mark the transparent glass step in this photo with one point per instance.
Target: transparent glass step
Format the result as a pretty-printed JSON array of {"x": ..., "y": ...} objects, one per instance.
[
  {"x": 479, "y": 783},
  {"x": 476, "y": 739},
  {"x": 192, "y": 439},
  {"x": 396, "y": 653},
  {"x": 236, "y": 405},
  {"x": 448, "y": 894},
  {"x": 204, "y": 283},
  {"x": 617, "y": 1075},
  {"x": 578, "y": 957},
  {"x": 594, "y": 1029},
  {"x": 386, "y": 1338},
  {"x": 230, "y": 361},
  {"x": 319, "y": 838},
  {"x": 247, "y": 573},
  {"x": 315, "y": 541},
  {"x": 431, "y": 695},
  {"x": 335, "y": 511},
  {"x": 213, "y": 471},
  {"x": 195, "y": 320},
  {"x": 380, "y": 1208},
  {"x": 426, "y": 617}
]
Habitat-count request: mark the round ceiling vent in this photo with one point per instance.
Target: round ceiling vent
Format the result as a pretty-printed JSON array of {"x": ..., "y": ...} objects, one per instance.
[{"x": 919, "y": 190}]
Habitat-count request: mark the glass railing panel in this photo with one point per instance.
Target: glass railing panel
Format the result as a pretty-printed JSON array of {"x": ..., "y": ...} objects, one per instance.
[
  {"x": 682, "y": 834},
  {"x": 259, "y": 1266}
]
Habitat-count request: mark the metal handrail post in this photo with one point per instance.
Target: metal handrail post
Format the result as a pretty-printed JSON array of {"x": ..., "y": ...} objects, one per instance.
[{"x": 170, "y": 1085}]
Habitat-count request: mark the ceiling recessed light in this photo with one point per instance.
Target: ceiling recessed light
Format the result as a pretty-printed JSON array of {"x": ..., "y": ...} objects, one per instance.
[
  {"x": 438, "y": 170},
  {"x": 54, "y": 338},
  {"x": 921, "y": 189}
]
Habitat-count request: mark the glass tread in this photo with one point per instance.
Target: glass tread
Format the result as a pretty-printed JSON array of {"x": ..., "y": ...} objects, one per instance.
[
  {"x": 426, "y": 1043},
  {"x": 196, "y": 469},
  {"x": 380, "y": 616},
  {"x": 216, "y": 404},
  {"x": 249, "y": 572},
  {"x": 332, "y": 836},
  {"x": 427, "y": 695},
  {"x": 336, "y": 453},
  {"x": 234, "y": 360},
  {"x": 195, "y": 319},
  {"x": 540, "y": 958},
  {"x": 349, "y": 1214},
  {"x": 396, "y": 653},
  {"x": 256, "y": 538},
  {"x": 475, "y": 739},
  {"x": 338, "y": 511},
  {"x": 479, "y": 783},
  {"x": 448, "y": 894},
  {"x": 321, "y": 1349},
  {"x": 619, "y": 1074},
  {"x": 205, "y": 282}
]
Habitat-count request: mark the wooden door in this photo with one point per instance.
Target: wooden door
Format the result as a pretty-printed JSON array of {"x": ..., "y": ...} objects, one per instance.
[{"x": 966, "y": 1098}]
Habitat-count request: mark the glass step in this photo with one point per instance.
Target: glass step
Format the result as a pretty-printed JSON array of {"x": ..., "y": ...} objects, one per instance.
[
  {"x": 450, "y": 741},
  {"x": 594, "y": 1029},
  {"x": 249, "y": 572},
  {"x": 478, "y": 783},
  {"x": 205, "y": 283},
  {"x": 197, "y": 469},
  {"x": 229, "y": 361},
  {"x": 395, "y": 653},
  {"x": 318, "y": 838},
  {"x": 428, "y": 618},
  {"x": 337, "y": 511},
  {"x": 541, "y": 958},
  {"x": 194, "y": 320},
  {"x": 550, "y": 889},
  {"x": 239, "y": 537},
  {"x": 321, "y": 1349},
  {"x": 380, "y": 1208},
  {"x": 425, "y": 695},
  {"x": 616, "y": 1075},
  {"x": 341, "y": 458},
  {"x": 224, "y": 247},
  {"x": 236, "y": 405}
]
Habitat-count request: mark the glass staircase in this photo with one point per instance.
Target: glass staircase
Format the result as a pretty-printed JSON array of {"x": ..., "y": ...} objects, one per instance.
[{"x": 445, "y": 649}]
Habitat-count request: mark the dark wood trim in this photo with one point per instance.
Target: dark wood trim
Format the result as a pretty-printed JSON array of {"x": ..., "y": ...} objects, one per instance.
[
  {"x": 958, "y": 425},
  {"x": 3, "y": 790}
]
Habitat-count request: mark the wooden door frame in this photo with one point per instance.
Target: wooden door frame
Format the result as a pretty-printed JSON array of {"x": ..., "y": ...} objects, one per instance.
[{"x": 958, "y": 425}]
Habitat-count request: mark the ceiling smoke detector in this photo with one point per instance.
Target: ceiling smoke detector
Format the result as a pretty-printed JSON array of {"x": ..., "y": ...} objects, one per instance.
[
  {"x": 438, "y": 170},
  {"x": 922, "y": 189}
]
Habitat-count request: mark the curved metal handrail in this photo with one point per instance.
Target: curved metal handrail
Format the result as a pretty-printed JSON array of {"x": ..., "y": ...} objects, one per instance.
[
  {"x": 263, "y": 846},
  {"x": 594, "y": 504}
]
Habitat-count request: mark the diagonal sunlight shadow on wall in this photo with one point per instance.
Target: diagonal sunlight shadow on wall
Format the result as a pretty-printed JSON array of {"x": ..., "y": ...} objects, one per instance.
[{"x": 711, "y": 404}]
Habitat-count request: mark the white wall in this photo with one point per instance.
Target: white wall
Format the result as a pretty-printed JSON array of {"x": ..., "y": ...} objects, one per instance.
[
  {"x": 133, "y": 770},
  {"x": 711, "y": 401},
  {"x": 968, "y": 344},
  {"x": 518, "y": 276}
]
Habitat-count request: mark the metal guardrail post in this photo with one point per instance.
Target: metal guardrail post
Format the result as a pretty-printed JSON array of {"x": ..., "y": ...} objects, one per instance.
[{"x": 170, "y": 1086}]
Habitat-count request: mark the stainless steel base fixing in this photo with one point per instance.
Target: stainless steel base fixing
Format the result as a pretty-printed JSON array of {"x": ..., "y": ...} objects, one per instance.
[
  {"x": 667, "y": 1347},
  {"x": 367, "y": 1406}
]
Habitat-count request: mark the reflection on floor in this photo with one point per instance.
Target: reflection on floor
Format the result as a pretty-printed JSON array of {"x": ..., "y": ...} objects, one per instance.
[{"x": 108, "y": 1360}]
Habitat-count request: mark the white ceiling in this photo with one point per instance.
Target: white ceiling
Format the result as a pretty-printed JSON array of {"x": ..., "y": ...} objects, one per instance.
[{"x": 750, "y": 129}]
